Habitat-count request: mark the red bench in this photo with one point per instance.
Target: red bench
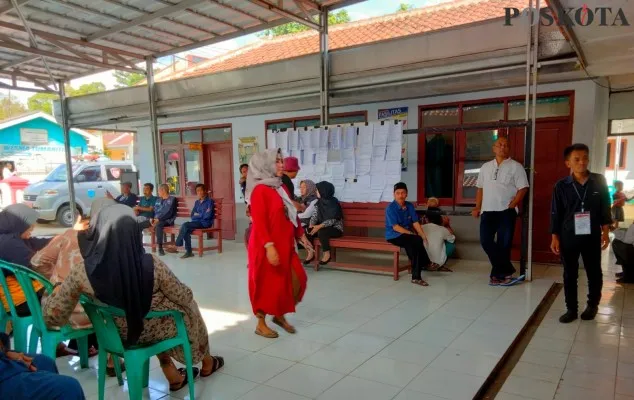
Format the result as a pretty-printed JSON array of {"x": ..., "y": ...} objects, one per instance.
[
  {"x": 185, "y": 205},
  {"x": 357, "y": 218}
]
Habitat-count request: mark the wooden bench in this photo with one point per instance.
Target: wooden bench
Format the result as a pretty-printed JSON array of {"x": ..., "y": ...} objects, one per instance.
[
  {"x": 185, "y": 205},
  {"x": 357, "y": 219}
]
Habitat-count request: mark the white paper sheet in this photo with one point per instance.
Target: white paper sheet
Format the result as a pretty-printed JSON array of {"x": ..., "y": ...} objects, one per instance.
[
  {"x": 322, "y": 156},
  {"x": 394, "y": 152},
  {"x": 381, "y": 132},
  {"x": 350, "y": 137},
  {"x": 395, "y": 134},
  {"x": 377, "y": 182},
  {"x": 304, "y": 138},
  {"x": 363, "y": 166},
  {"x": 378, "y": 168},
  {"x": 375, "y": 196},
  {"x": 282, "y": 140},
  {"x": 393, "y": 168},
  {"x": 315, "y": 133},
  {"x": 271, "y": 139},
  {"x": 378, "y": 153},
  {"x": 323, "y": 138},
  {"x": 391, "y": 180},
  {"x": 349, "y": 192},
  {"x": 363, "y": 182},
  {"x": 336, "y": 170},
  {"x": 365, "y": 152},
  {"x": 335, "y": 137},
  {"x": 387, "y": 193},
  {"x": 349, "y": 165},
  {"x": 366, "y": 134},
  {"x": 293, "y": 140}
]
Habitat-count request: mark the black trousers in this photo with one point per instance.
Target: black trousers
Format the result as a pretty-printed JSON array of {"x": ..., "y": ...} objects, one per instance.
[
  {"x": 625, "y": 256},
  {"x": 159, "y": 232},
  {"x": 324, "y": 235},
  {"x": 498, "y": 249},
  {"x": 415, "y": 249},
  {"x": 589, "y": 247}
]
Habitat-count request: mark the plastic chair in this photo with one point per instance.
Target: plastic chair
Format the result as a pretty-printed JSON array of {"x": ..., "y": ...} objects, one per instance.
[
  {"x": 137, "y": 358},
  {"x": 50, "y": 338},
  {"x": 20, "y": 324}
]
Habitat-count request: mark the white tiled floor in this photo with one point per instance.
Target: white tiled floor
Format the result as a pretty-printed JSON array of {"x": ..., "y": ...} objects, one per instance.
[
  {"x": 584, "y": 360},
  {"x": 363, "y": 336}
]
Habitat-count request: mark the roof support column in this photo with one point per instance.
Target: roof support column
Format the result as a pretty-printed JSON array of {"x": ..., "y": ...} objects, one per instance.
[
  {"x": 529, "y": 137},
  {"x": 149, "y": 67},
  {"x": 67, "y": 152},
  {"x": 325, "y": 66}
]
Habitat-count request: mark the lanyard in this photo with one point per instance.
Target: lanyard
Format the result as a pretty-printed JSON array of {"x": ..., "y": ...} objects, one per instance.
[{"x": 579, "y": 196}]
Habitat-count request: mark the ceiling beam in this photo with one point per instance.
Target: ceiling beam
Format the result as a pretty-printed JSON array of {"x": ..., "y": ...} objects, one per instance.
[
  {"x": 239, "y": 11},
  {"x": 286, "y": 14},
  {"x": 302, "y": 7},
  {"x": 569, "y": 34},
  {"x": 201, "y": 15},
  {"x": 23, "y": 89},
  {"x": 143, "y": 19},
  {"x": 32, "y": 50},
  {"x": 9, "y": 7}
]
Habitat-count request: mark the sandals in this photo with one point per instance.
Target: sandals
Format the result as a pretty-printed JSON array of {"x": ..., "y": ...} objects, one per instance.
[
  {"x": 419, "y": 282},
  {"x": 272, "y": 335},
  {"x": 178, "y": 386},
  {"x": 111, "y": 372},
  {"x": 309, "y": 260},
  {"x": 219, "y": 362},
  {"x": 284, "y": 325},
  {"x": 433, "y": 267},
  {"x": 445, "y": 269}
]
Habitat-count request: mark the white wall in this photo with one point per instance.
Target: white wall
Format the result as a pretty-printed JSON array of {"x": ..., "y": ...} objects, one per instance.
[{"x": 589, "y": 125}]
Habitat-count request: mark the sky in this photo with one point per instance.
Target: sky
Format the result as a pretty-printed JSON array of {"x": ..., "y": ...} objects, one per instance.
[{"x": 364, "y": 10}]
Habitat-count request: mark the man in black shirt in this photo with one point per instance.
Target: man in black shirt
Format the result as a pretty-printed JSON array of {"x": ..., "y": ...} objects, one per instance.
[{"x": 579, "y": 224}]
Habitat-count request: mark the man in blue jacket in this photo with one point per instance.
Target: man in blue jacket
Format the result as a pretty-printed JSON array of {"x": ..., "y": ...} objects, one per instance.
[
  {"x": 202, "y": 217},
  {"x": 33, "y": 377},
  {"x": 165, "y": 211}
]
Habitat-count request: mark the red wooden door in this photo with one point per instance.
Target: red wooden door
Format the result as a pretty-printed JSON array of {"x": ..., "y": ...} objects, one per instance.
[
  {"x": 551, "y": 138},
  {"x": 219, "y": 179}
]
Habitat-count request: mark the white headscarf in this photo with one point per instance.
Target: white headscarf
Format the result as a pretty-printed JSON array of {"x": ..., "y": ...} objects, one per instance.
[{"x": 263, "y": 171}]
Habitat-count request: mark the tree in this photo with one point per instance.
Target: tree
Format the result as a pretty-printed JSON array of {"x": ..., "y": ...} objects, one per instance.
[
  {"x": 405, "y": 7},
  {"x": 340, "y": 17},
  {"x": 44, "y": 101},
  {"x": 10, "y": 107},
  {"x": 126, "y": 79}
]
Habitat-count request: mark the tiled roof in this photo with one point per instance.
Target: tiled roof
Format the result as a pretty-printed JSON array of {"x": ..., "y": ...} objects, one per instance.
[
  {"x": 387, "y": 27},
  {"x": 116, "y": 139}
]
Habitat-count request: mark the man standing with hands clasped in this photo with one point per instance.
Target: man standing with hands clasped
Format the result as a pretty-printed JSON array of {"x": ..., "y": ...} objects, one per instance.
[
  {"x": 579, "y": 223},
  {"x": 502, "y": 185}
]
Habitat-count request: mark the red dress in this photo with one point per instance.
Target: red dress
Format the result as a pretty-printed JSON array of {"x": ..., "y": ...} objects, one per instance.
[{"x": 274, "y": 290}]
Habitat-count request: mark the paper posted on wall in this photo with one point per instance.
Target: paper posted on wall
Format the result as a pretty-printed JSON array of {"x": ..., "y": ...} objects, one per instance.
[
  {"x": 381, "y": 132},
  {"x": 315, "y": 134},
  {"x": 323, "y": 138},
  {"x": 293, "y": 139},
  {"x": 271, "y": 140},
  {"x": 304, "y": 139},
  {"x": 364, "y": 165},
  {"x": 335, "y": 137},
  {"x": 282, "y": 140},
  {"x": 350, "y": 137},
  {"x": 365, "y": 138},
  {"x": 393, "y": 152}
]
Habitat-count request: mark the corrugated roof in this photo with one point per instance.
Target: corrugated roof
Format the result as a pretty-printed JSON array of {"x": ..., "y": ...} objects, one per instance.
[
  {"x": 418, "y": 21},
  {"x": 82, "y": 37}
]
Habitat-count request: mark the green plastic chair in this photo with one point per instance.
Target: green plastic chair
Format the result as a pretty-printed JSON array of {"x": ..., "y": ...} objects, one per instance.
[
  {"x": 137, "y": 358},
  {"x": 50, "y": 338},
  {"x": 20, "y": 324}
]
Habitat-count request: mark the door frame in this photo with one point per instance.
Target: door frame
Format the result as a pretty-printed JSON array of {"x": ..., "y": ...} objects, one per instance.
[{"x": 209, "y": 183}]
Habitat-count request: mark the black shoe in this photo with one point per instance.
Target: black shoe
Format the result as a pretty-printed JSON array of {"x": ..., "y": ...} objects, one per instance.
[
  {"x": 325, "y": 262},
  {"x": 568, "y": 317},
  {"x": 619, "y": 274},
  {"x": 161, "y": 252},
  {"x": 589, "y": 313},
  {"x": 189, "y": 254}
]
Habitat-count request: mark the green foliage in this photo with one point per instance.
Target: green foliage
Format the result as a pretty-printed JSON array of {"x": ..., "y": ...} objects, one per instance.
[
  {"x": 340, "y": 17},
  {"x": 127, "y": 79},
  {"x": 10, "y": 107},
  {"x": 44, "y": 101},
  {"x": 405, "y": 7}
]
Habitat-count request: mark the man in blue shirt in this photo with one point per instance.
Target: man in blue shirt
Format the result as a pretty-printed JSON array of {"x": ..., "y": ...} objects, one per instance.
[
  {"x": 202, "y": 217},
  {"x": 146, "y": 202},
  {"x": 165, "y": 211},
  {"x": 403, "y": 229}
]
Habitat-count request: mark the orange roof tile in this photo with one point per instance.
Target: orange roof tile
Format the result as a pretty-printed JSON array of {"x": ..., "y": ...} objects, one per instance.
[{"x": 357, "y": 33}]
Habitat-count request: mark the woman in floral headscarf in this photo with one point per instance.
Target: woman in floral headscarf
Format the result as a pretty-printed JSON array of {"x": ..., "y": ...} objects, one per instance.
[{"x": 277, "y": 280}]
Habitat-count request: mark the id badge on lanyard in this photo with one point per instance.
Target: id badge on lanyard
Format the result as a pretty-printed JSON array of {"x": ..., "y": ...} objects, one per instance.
[{"x": 582, "y": 219}]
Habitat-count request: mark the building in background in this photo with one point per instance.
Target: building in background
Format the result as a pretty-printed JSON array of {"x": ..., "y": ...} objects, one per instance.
[
  {"x": 35, "y": 144},
  {"x": 117, "y": 146}
]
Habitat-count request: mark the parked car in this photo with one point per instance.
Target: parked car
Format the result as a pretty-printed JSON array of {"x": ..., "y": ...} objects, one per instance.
[{"x": 92, "y": 179}]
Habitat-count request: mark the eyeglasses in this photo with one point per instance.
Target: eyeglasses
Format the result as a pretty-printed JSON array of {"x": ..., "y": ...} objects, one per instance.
[{"x": 495, "y": 173}]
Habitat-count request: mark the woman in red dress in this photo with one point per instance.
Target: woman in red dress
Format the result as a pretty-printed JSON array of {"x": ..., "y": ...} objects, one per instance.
[{"x": 277, "y": 280}]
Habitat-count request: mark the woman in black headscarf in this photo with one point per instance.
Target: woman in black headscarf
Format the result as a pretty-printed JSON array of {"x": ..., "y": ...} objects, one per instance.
[
  {"x": 327, "y": 220},
  {"x": 116, "y": 270}
]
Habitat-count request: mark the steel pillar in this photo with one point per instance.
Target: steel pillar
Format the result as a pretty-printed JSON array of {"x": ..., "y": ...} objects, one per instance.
[
  {"x": 325, "y": 66},
  {"x": 67, "y": 151},
  {"x": 149, "y": 61}
]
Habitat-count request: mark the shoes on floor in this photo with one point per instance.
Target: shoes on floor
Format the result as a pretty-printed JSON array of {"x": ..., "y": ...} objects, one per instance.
[
  {"x": 619, "y": 274},
  {"x": 589, "y": 313},
  {"x": 161, "y": 252},
  {"x": 568, "y": 317},
  {"x": 189, "y": 254}
]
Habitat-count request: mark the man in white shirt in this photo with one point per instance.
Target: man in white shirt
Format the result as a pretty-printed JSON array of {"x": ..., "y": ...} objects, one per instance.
[
  {"x": 623, "y": 247},
  {"x": 502, "y": 184}
]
